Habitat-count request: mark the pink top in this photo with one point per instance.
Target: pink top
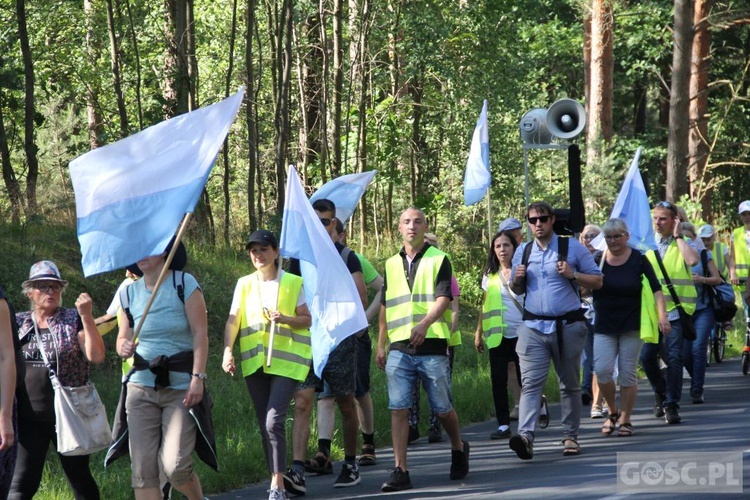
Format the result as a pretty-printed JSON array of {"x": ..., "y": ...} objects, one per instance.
[{"x": 454, "y": 287}]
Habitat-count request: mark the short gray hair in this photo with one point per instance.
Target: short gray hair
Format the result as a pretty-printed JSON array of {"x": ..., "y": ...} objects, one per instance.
[{"x": 615, "y": 225}]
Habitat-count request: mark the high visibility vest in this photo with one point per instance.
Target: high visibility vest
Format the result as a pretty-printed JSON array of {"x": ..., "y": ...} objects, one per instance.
[
  {"x": 680, "y": 275},
  {"x": 291, "y": 346},
  {"x": 741, "y": 255},
  {"x": 404, "y": 308},
  {"x": 720, "y": 258},
  {"x": 492, "y": 312},
  {"x": 649, "y": 314}
]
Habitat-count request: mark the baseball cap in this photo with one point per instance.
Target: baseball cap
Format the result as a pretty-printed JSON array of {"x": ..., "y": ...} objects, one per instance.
[
  {"x": 706, "y": 231},
  {"x": 510, "y": 224},
  {"x": 744, "y": 207},
  {"x": 263, "y": 237},
  {"x": 44, "y": 270}
]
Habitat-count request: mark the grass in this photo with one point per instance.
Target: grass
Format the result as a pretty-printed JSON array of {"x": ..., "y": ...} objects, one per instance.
[{"x": 238, "y": 440}]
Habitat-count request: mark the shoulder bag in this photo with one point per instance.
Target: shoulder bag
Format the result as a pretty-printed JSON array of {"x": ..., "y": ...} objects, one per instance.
[
  {"x": 688, "y": 328},
  {"x": 80, "y": 418},
  {"x": 721, "y": 296}
]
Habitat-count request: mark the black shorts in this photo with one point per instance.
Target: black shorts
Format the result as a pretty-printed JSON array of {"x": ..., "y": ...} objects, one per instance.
[{"x": 339, "y": 373}]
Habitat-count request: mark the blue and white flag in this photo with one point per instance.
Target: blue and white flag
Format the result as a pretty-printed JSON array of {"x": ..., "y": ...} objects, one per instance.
[
  {"x": 633, "y": 207},
  {"x": 477, "y": 177},
  {"x": 345, "y": 192},
  {"x": 331, "y": 294},
  {"x": 132, "y": 194}
]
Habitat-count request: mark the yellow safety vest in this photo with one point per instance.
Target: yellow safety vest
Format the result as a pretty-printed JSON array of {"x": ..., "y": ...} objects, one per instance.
[
  {"x": 492, "y": 312},
  {"x": 679, "y": 274},
  {"x": 404, "y": 308},
  {"x": 720, "y": 258},
  {"x": 291, "y": 346},
  {"x": 741, "y": 255},
  {"x": 649, "y": 314}
]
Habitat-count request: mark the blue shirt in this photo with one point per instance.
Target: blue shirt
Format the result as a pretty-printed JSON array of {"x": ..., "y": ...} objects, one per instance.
[
  {"x": 547, "y": 292},
  {"x": 703, "y": 300}
]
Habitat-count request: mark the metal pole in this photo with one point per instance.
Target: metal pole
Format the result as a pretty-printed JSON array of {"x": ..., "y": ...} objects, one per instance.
[{"x": 526, "y": 186}]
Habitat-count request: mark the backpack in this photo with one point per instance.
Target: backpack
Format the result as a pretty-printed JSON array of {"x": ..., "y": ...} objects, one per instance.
[
  {"x": 125, "y": 296},
  {"x": 562, "y": 255},
  {"x": 720, "y": 297}
]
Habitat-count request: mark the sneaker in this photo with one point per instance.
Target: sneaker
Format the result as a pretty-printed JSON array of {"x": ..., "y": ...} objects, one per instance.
[
  {"x": 498, "y": 434},
  {"x": 434, "y": 435},
  {"x": 522, "y": 446},
  {"x": 698, "y": 399},
  {"x": 349, "y": 476},
  {"x": 413, "y": 434},
  {"x": 367, "y": 457},
  {"x": 460, "y": 462},
  {"x": 671, "y": 416},
  {"x": 320, "y": 465},
  {"x": 399, "y": 481},
  {"x": 596, "y": 412},
  {"x": 659, "y": 405},
  {"x": 514, "y": 414},
  {"x": 276, "y": 494},
  {"x": 294, "y": 483}
]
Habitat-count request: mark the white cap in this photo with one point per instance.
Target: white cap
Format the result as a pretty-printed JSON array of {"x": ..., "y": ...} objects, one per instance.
[
  {"x": 744, "y": 207},
  {"x": 706, "y": 231}
]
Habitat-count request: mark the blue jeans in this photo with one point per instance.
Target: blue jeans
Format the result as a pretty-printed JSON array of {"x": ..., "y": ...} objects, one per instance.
[
  {"x": 587, "y": 359},
  {"x": 694, "y": 352},
  {"x": 670, "y": 347},
  {"x": 403, "y": 370}
]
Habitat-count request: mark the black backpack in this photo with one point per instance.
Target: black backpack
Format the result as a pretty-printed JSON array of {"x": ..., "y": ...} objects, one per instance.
[
  {"x": 724, "y": 309},
  {"x": 125, "y": 296}
]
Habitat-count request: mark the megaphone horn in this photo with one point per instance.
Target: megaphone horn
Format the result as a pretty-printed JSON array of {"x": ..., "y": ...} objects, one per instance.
[
  {"x": 566, "y": 118},
  {"x": 533, "y": 127}
]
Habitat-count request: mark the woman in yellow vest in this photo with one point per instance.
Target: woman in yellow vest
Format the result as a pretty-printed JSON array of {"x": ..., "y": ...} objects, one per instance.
[
  {"x": 266, "y": 297},
  {"x": 502, "y": 312}
]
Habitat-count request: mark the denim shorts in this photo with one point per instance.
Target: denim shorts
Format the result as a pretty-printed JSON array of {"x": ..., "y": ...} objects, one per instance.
[{"x": 403, "y": 370}]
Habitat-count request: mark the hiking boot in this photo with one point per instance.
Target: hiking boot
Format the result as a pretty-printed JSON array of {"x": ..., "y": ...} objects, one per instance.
[
  {"x": 671, "y": 416},
  {"x": 659, "y": 405},
  {"x": 413, "y": 434},
  {"x": 399, "y": 481},
  {"x": 522, "y": 446},
  {"x": 294, "y": 483},
  {"x": 460, "y": 462},
  {"x": 434, "y": 435},
  {"x": 349, "y": 476},
  {"x": 276, "y": 494},
  {"x": 367, "y": 457},
  {"x": 320, "y": 465}
]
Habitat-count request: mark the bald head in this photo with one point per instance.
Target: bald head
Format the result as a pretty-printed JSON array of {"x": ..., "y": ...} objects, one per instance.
[{"x": 413, "y": 225}]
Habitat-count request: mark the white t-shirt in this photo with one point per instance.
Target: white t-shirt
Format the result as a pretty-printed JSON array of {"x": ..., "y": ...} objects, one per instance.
[
  {"x": 268, "y": 292},
  {"x": 512, "y": 315},
  {"x": 115, "y": 305}
]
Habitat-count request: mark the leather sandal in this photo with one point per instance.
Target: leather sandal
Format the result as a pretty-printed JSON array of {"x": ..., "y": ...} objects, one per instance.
[
  {"x": 571, "y": 447},
  {"x": 610, "y": 424},
  {"x": 626, "y": 430}
]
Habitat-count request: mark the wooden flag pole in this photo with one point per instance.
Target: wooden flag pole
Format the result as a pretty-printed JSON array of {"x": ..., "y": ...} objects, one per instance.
[{"x": 273, "y": 321}]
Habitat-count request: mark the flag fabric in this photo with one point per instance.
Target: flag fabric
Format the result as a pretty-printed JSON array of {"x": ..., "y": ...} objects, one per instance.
[
  {"x": 132, "y": 194},
  {"x": 345, "y": 192},
  {"x": 633, "y": 207},
  {"x": 477, "y": 177},
  {"x": 330, "y": 291}
]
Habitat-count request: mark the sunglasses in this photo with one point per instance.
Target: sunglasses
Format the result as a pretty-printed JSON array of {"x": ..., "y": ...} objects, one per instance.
[
  {"x": 611, "y": 237},
  {"x": 45, "y": 287},
  {"x": 542, "y": 218},
  {"x": 669, "y": 206},
  {"x": 326, "y": 221}
]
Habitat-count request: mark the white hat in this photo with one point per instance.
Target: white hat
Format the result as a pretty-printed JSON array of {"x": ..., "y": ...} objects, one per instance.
[
  {"x": 744, "y": 207},
  {"x": 706, "y": 231}
]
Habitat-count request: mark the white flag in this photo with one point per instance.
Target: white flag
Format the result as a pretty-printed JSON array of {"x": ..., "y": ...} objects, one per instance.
[
  {"x": 477, "y": 177},
  {"x": 345, "y": 192}
]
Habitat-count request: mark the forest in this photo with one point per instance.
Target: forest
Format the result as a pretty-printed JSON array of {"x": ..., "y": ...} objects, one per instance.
[{"x": 337, "y": 87}]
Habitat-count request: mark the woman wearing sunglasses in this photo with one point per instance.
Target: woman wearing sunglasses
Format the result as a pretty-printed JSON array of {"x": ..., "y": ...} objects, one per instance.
[
  {"x": 70, "y": 341},
  {"x": 269, "y": 296}
]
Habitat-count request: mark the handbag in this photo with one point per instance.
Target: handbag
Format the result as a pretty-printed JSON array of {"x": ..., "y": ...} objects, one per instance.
[
  {"x": 686, "y": 320},
  {"x": 721, "y": 296},
  {"x": 80, "y": 418}
]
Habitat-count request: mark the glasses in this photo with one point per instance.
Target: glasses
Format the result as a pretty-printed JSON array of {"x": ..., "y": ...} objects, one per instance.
[
  {"x": 542, "y": 218},
  {"x": 590, "y": 236},
  {"x": 46, "y": 287},
  {"x": 615, "y": 237},
  {"x": 325, "y": 221},
  {"x": 669, "y": 206}
]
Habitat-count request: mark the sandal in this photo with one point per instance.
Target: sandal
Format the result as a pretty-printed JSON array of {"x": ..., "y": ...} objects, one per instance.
[
  {"x": 367, "y": 457},
  {"x": 610, "y": 424},
  {"x": 626, "y": 430},
  {"x": 571, "y": 447},
  {"x": 544, "y": 413}
]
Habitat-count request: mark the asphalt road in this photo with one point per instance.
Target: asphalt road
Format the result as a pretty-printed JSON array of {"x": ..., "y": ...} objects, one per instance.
[{"x": 496, "y": 471}]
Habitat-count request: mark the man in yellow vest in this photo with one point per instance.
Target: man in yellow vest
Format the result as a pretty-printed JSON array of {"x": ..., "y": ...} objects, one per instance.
[
  {"x": 415, "y": 320},
  {"x": 678, "y": 258},
  {"x": 739, "y": 256}
]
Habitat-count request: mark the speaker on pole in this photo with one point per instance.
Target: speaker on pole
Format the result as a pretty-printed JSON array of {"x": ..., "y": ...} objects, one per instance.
[
  {"x": 566, "y": 118},
  {"x": 533, "y": 127}
]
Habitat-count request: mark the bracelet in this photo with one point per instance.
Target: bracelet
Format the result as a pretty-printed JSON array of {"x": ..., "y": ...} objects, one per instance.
[
  {"x": 200, "y": 376},
  {"x": 680, "y": 237}
]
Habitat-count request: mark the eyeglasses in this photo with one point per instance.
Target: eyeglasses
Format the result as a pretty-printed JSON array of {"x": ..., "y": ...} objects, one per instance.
[
  {"x": 542, "y": 218},
  {"x": 325, "y": 221},
  {"x": 46, "y": 287},
  {"x": 590, "y": 236},
  {"x": 669, "y": 206},
  {"x": 613, "y": 236}
]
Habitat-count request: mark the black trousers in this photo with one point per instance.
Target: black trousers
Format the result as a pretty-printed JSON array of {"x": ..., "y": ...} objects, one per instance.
[
  {"x": 500, "y": 356},
  {"x": 34, "y": 438}
]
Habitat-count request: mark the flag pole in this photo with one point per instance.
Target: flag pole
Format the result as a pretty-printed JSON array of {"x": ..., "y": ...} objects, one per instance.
[
  {"x": 489, "y": 215},
  {"x": 163, "y": 274}
]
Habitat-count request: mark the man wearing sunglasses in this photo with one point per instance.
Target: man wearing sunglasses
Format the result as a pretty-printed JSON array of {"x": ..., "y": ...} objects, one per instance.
[
  {"x": 554, "y": 326},
  {"x": 678, "y": 257}
]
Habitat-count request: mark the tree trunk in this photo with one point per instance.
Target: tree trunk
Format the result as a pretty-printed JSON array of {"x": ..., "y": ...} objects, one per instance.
[
  {"x": 176, "y": 80},
  {"x": 679, "y": 101},
  {"x": 323, "y": 98},
  {"x": 114, "y": 64},
  {"x": 92, "y": 106},
  {"x": 601, "y": 74},
  {"x": 311, "y": 135},
  {"x": 191, "y": 60},
  {"x": 29, "y": 109},
  {"x": 252, "y": 135},
  {"x": 136, "y": 54},
  {"x": 699, "y": 175},
  {"x": 338, "y": 85},
  {"x": 227, "y": 90},
  {"x": 9, "y": 176}
]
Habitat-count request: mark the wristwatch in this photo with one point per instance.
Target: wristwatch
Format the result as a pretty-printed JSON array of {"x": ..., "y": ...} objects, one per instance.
[
  {"x": 575, "y": 275},
  {"x": 200, "y": 376}
]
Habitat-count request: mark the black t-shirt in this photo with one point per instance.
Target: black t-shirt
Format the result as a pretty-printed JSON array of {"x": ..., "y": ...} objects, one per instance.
[
  {"x": 352, "y": 262},
  {"x": 617, "y": 303},
  {"x": 38, "y": 384}
]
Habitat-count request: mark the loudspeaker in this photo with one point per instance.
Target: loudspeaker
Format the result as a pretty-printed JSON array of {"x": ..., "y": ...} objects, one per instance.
[
  {"x": 533, "y": 127},
  {"x": 566, "y": 118}
]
